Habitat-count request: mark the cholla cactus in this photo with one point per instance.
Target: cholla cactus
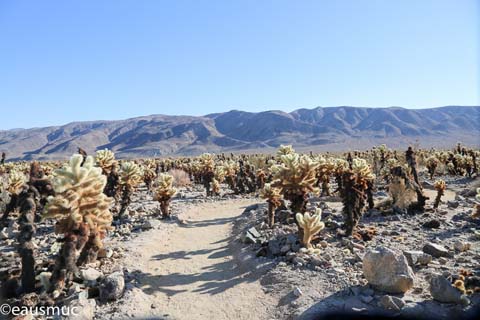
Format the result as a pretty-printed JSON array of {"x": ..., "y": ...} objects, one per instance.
[
  {"x": 215, "y": 186},
  {"x": 82, "y": 212},
  {"x": 311, "y": 225},
  {"x": 440, "y": 186},
  {"x": 15, "y": 182},
  {"x": 326, "y": 167},
  {"x": 131, "y": 176},
  {"x": 405, "y": 192},
  {"x": 230, "y": 168},
  {"x": 432, "y": 163},
  {"x": 273, "y": 197},
  {"x": 148, "y": 176},
  {"x": 164, "y": 191},
  {"x": 207, "y": 165},
  {"x": 284, "y": 150},
  {"x": 355, "y": 183},
  {"x": 105, "y": 159},
  {"x": 295, "y": 176}
]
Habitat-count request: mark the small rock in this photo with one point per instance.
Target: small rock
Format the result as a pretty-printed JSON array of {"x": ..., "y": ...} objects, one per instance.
[
  {"x": 453, "y": 204},
  {"x": 414, "y": 257},
  {"x": 391, "y": 303},
  {"x": 462, "y": 246},
  {"x": 442, "y": 290},
  {"x": 387, "y": 270},
  {"x": 432, "y": 224},
  {"x": 274, "y": 247},
  {"x": 366, "y": 299},
  {"x": 112, "y": 287},
  {"x": 254, "y": 232},
  {"x": 436, "y": 250},
  {"x": 284, "y": 249},
  {"x": 90, "y": 274},
  {"x": 297, "y": 292},
  {"x": 150, "y": 224}
]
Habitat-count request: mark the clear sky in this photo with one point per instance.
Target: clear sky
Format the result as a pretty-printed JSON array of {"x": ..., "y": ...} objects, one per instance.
[{"x": 62, "y": 61}]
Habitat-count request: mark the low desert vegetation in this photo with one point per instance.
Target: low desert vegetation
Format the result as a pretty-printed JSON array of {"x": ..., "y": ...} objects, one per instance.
[{"x": 77, "y": 201}]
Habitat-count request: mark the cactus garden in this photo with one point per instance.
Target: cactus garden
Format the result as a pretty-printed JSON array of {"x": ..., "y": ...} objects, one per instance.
[{"x": 373, "y": 232}]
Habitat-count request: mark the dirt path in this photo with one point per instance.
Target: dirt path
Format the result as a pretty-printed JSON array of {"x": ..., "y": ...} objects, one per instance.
[{"x": 189, "y": 272}]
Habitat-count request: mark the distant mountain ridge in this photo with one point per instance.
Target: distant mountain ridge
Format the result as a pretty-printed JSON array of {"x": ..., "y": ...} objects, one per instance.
[{"x": 332, "y": 128}]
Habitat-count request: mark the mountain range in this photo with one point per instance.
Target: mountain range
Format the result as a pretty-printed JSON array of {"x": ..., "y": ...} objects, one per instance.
[{"x": 319, "y": 129}]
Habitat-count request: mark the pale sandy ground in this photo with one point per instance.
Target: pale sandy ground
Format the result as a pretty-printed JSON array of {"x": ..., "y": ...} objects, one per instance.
[{"x": 188, "y": 271}]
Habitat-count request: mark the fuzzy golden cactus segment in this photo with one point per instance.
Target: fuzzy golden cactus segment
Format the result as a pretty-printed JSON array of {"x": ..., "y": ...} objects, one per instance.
[
  {"x": 296, "y": 177},
  {"x": 131, "y": 174},
  {"x": 311, "y": 225},
  {"x": 105, "y": 159},
  {"x": 15, "y": 182},
  {"x": 79, "y": 197},
  {"x": 284, "y": 150}
]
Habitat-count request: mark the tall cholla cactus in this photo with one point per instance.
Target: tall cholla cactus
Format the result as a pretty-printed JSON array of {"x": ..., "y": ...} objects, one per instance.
[
  {"x": 131, "y": 176},
  {"x": 230, "y": 169},
  {"x": 295, "y": 176},
  {"x": 105, "y": 159},
  {"x": 16, "y": 180},
  {"x": 311, "y": 225},
  {"x": 440, "y": 186},
  {"x": 82, "y": 213},
  {"x": 326, "y": 167},
  {"x": 432, "y": 163},
  {"x": 219, "y": 177},
  {"x": 207, "y": 165},
  {"x": 273, "y": 197},
  {"x": 164, "y": 191},
  {"x": 355, "y": 183}
]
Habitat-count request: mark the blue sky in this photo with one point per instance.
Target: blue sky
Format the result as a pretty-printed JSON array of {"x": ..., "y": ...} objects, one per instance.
[{"x": 63, "y": 61}]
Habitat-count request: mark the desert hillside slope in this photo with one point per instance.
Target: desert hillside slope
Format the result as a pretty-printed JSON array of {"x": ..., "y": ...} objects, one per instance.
[{"x": 333, "y": 128}]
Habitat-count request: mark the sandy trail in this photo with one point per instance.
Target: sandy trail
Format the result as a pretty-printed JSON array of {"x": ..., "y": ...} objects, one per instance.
[{"x": 190, "y": 273}]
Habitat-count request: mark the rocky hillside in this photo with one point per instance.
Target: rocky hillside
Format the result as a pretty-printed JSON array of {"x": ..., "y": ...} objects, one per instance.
[{"x": 334, "y": 128}]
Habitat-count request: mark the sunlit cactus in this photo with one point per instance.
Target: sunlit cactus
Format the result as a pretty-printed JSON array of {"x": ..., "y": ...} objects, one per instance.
[
  {"x": 82, "y": 213},
  {"x": 296, "y": 177},
  {"x": 131, "y": 176},
  {"x": 105, "y": 159},
  {"x": 149, "y": 176},
  {"x": 15, "y": 182},
  {"x": 230, "y": 169},
  {"x": 440, "y": 186},
  {"x": 163, "y": 193},
  {"x": 311, "y": 225},
  {"x": 273, "y": 197},
  {"x": 284, "y": 150}
]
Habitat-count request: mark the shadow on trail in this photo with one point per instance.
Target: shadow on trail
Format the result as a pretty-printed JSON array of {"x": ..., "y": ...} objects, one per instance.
[{"x": 211, "y": 279}]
